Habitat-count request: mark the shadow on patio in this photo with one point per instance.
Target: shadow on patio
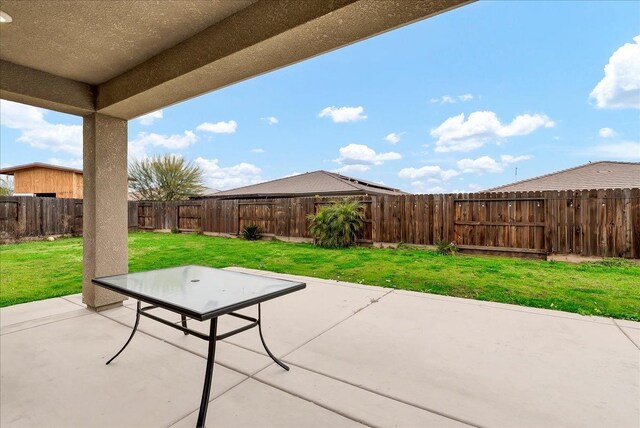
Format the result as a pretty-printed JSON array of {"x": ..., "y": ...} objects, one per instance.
[{"x": 359, "y": 355}]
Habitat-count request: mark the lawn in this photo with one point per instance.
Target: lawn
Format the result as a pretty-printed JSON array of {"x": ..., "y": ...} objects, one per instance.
[{"x": 39, "y": 270}]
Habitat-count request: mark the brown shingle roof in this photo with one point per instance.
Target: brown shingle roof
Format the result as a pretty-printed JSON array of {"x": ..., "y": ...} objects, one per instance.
[
  {"x": 596, "y": 175},
  {"x": 321, "y": 183}
]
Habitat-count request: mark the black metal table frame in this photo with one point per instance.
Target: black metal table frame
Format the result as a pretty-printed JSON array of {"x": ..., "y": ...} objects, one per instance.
[{"x": 212, "y": 338}]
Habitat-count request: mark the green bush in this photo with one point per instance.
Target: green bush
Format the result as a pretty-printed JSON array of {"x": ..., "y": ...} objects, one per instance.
[
  {"x": 338, "y": 224},
  {"x": 252, "y": 233},
  {"x": 175, "y": 229},
  {"x": 445, "y": 248}
]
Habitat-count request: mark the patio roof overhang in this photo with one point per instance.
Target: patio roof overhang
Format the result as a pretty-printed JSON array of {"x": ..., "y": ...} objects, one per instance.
[
  {"x": 128, "y": 58},
  {"x": 112, "y": 61}
]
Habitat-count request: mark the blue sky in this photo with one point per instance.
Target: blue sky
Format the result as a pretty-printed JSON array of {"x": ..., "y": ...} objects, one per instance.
[{"x": 452, "y": 103}]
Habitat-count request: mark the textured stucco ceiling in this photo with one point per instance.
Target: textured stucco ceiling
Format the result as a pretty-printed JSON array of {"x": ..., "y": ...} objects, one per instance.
[
  {"x": 127, "y": 58},
  {"x": 94, "y": 41}
]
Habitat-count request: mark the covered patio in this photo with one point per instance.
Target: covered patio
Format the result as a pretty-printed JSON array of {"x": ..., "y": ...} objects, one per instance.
[
  {"x": 359, "y": 355},
  {"x": 113, "y": 61}
]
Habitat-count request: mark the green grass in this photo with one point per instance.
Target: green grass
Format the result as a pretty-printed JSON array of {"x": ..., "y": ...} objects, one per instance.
[{"x": 39, "y": 270}]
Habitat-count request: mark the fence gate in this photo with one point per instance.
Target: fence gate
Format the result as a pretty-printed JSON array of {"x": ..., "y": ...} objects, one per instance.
[
  {"x": 145, "y": 216},
  {"x": 257, "y": 214},
  {"x": 189, "y": 217},
  {"x": 510, "y": 224}
]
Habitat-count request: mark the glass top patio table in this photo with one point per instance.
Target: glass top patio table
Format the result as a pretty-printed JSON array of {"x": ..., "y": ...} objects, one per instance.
[{"x": 199, "y": 292}]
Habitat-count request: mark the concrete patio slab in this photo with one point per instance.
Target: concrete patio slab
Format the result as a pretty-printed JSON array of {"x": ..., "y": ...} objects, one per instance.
[
  {"x": 55, "y": 376},
  {"x": 487, "y": 366},
  {"x": 32, "y": 311},
  {"x": 358, "y": 404},
  {"x": 628, "y": 324},
  {"x": 633, "y": 334},
  {"x": 508, "y": 307},
  {"x": 359, "y": 355},
  {"x": 292, "y": 320},
  {"x": 254, "y": 404}
]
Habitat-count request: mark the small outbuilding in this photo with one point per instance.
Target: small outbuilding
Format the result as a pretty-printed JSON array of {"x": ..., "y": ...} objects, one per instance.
[{"x": 41, "y": 179}]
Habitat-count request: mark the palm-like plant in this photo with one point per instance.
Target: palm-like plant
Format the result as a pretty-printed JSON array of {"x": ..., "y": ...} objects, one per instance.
[
  {"x": 338, "y": 224},
  {"x": 165, "y": 178}
]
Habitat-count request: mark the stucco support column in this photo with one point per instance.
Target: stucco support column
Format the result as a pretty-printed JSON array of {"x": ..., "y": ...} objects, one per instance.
[{"x": 105, "y": 225}]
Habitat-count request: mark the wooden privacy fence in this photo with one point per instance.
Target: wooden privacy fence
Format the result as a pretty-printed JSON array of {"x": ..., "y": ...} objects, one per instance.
[{"x": 602, "y": 223}]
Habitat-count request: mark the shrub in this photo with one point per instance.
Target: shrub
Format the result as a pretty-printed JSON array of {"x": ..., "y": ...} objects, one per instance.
[
  {"x": 198, "y": 230},
  {"x": 175, "y": 229},
  {"x": 338, "y": 224},
  {"x": 445, "y": 248},
  {"x": 251, "y": 233}
]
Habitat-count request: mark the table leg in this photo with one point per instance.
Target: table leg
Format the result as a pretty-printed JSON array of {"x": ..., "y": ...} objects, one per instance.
[
  {"x": 135, "y": 328},
  {"x": 208, "y": 375},
  {"x": 184, "y": 323},
  {"x": 273, "y": 357}
]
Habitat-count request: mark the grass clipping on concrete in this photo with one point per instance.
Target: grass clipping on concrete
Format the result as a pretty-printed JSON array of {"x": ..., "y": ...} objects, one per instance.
[{"x": 38, "y": 270}]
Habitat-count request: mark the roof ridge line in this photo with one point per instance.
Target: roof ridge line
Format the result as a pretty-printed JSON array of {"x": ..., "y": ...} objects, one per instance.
[
  {"x": 338, "y": 177},
  {"x": 271, "y": 181}
]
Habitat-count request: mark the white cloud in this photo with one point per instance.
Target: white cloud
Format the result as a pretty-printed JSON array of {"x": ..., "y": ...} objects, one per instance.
[
  {"x": 607, "y": 133},
  {"x": 509, "y": 159},
  {"x": 242, "y": 174},
  {"x": 37, "y": 132},
  {"x": 343, "y": 114},
  {"x": 149, "y": 118},
  {"x": 624, "y": 150},
  {"x": 138, "y": 146},
  {"x": 350, "y": 169},
  {"x": 393, "y": 138},
  {"x": 620, "y": 86},
  {"x": 481, "y": 165},
  {"x": 475, "y": 187},
  {"x": 175, "y": 141},
  {"x": 422, "y": 187},
  {"x": 487, "y": 164},
  {"x": 271, "y": 120},
  {"x": 448, "y": 99},
  {"x": 258, "y": 150},
  {"x": 219, "y": 127},
  {"x": 432, "y": 173},
  {"x": 457, "y": 135},
  {"x": 360, "y": 154}
]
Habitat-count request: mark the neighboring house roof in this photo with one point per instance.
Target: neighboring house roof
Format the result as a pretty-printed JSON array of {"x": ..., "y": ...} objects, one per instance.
[
  {"x": 208, "y": 191},
  {"x": 595, "y": 175},
  {"x": 12, "y": 169},
  {"x": 321, "y": 183}
]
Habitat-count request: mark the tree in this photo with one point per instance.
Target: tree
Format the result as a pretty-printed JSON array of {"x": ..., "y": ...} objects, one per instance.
[
  {"x": 165, "y": 178},
  {"x": 6, "y": 187},
  {"x": 338, "y": 224}
]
